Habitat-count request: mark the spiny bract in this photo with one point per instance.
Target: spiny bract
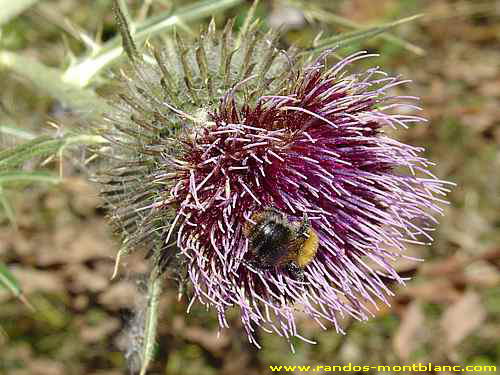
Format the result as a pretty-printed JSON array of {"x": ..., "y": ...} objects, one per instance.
[{"x": 227, "y": 125}]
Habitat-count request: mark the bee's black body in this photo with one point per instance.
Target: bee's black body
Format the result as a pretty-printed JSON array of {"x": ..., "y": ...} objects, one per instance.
[
  {"x": 275, "y": 242},
  {"x": 269, "y": 241}
]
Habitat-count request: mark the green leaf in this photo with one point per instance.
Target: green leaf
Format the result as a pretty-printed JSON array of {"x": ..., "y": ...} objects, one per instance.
[
  {"x": 344, "y": 39},
  {"x": 40, "y": 146},
  {"x": 12, "y": 8},
  {"x": 7, "y": 207},
  {"x": 16, "y": 132},
  {"x": 43, "y": 146},
  {"x": 9, "y": 282},
  {"x": 51, "y": 81},
  {"x": 83, "y": 72},
  {"x": 150, "y": 329},
  {"x": 68, "y": 86},
  {"x": 318, "y": 13}
]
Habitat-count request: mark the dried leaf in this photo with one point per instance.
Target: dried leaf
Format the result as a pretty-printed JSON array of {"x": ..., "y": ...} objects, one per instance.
[
  {"x": 434, "y": 291},
  {"x": 119, "y": 295},
  {"x": 462, "y": 318},
  {"x": 409, "y": 332}
]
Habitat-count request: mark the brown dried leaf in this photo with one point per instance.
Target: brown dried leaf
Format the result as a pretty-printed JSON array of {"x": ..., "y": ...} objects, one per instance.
[
  {"x": 482, "y": 274},
  {"x": 33, "y": 280},
  {"x": 83, "y": 195},
  {"x": 409, "y": 333},
  {"x": 120, "y": 295},
  {"x": 77, "y": 244},
  {"x": 462, "y": 318},
  {"x": 444, "y": 267},
  {"x": 213, "y": 341},
  {"x": 42, "y": 366},
  {"x": 96, "y": 333},
  {"x": 434, "y": 291},
  {"x": 84, "y": 279}
]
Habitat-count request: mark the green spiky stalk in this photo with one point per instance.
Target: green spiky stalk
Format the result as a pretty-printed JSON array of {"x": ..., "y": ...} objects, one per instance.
[{"x": 150, "y": 329}]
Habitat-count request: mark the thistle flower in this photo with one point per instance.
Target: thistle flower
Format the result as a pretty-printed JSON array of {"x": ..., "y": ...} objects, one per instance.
[{"x": 226, "y": 126}]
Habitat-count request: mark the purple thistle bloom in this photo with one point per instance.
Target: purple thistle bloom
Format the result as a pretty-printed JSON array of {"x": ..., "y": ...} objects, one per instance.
[{"x": 231, "y": 132}]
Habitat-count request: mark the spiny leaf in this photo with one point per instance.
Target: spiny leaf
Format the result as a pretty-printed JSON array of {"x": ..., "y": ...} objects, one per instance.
[
  {"x": 318, "y": 13},
  {"x": 344, "y": 39},
  {"x": 246, "y": 24},
  {"x": 43, "y": 146},
  {"x": 40, "y": 146},
  {"x": 82, "y": 73},
  {"x": 334, "y": 18},
  {"x": 125, "y": 27}
]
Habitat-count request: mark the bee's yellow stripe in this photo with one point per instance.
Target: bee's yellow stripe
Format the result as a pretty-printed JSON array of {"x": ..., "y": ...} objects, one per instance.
[{"x": 308, "y": 251}]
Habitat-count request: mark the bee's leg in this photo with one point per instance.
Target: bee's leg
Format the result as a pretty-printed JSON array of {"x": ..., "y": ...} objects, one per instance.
[
  {"x": 303, "y": 230},
  {"x": 295, "y": 271},
  {"x": 264, "y": 264}
]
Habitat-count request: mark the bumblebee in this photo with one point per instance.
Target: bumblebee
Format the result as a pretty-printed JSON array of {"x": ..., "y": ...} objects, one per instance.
[{"x": 276, "y": 242}]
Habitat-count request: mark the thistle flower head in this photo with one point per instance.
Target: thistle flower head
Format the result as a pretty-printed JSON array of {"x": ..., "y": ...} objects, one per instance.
[{"x": 227, "y": 126}]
